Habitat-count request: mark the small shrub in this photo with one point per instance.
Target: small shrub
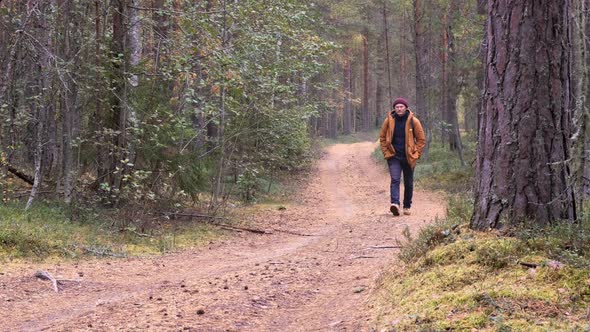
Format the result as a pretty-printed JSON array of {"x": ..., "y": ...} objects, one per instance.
[
  {"x": 498, "y": 253},
  {"x": 441, "y": 231}
]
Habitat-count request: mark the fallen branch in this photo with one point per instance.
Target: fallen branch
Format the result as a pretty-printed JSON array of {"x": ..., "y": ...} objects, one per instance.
[
  {"x": 385, "y": 247},
  {"x": 531, "y": 265},
  {"x": 294, "y": 233},
  {"x": 44, "y": 275},
  {"x": 236, "y": 228},
  {"x": 172, "y": 215},
  {"x": 357, "y": 257},
  {"x": 193, "y": 215},
  {"x": 21, "y": 175},
  {"x": 136, "y": 232}
]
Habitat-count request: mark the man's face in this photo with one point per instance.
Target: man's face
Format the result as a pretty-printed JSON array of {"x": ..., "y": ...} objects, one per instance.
[{"x": 400, "y": 109}]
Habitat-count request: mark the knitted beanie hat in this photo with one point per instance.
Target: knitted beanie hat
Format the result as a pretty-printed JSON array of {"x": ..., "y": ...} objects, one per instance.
[{"x": 400, "y": 101}]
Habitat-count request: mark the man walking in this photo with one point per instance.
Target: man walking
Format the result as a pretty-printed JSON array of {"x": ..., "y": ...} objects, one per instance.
[{"x": 402, "y": 141}]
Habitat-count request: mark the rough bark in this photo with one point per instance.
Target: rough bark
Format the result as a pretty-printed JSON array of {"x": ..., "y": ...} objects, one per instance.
[{"x": 522, "y": 166}]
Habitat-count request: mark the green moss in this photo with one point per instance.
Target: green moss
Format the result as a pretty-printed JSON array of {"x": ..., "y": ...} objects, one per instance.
[
  {"x": 476, "y": 282},
  {"x": 498, "y": 253}
]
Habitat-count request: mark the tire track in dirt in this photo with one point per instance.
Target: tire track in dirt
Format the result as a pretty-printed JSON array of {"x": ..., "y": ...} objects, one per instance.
[{"x": 277, "y": 282}]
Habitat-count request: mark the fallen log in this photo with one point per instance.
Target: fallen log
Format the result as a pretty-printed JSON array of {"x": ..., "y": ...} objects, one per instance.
[{"x": 19, "y": 174}]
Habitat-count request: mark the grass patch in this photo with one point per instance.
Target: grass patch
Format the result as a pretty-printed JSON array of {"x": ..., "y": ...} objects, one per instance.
[
  {"x": 359, "y": 137},
  {"x": 47, "y": 231}
]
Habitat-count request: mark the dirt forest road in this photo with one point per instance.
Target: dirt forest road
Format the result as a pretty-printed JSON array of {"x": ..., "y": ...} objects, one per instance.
[{"x": 247, "y": 282}]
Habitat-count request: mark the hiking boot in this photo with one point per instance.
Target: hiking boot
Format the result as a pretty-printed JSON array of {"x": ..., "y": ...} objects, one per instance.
[
  {"x": 394, "y": 208},
  {"x": 407, "y": 211}
]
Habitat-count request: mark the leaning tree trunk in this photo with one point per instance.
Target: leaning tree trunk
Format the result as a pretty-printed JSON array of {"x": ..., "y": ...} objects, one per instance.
[{"x": 522, "y": 171}]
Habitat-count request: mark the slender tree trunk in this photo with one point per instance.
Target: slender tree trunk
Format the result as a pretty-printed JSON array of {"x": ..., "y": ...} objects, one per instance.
[
  {"x": 451, "y": 85},
  {"x": 522, "y": 166},
  {"x": 70, "y": 101},
  {"x": 103, "y": 148},
  {"x": 387, "y": 58},
  {"x": 135, "y": 51},
  {"x": 347, "y": 111},
  {"x": 444, "y": 88},
  {"x": 218, "y": 192},
  {"x": 403, "y": 57},
  {"x": 581, "y": 136},
  {"x": 366, "y": 108},
  {"x": 118, "y": 96},
  {"x": 422, "y": 70},
  {"x": 46, "y": 73}
]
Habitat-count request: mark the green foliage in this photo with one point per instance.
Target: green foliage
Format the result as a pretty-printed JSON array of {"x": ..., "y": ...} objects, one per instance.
[
  {"x": 443, "y": 171},
  {"x": 566, "y": 242}
]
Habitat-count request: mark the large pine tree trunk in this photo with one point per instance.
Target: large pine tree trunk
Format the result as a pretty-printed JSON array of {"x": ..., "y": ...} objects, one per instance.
[{"x": 523, "y": 147}]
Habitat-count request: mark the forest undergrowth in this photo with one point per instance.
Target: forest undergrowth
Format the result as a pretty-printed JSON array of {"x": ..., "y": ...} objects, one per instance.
[
  {"x": 51, "y": 230},
  {"x": 457, "y": 279}
]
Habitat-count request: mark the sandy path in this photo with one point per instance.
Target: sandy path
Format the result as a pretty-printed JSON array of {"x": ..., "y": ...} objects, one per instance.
[{"x": 278, "y": 282}]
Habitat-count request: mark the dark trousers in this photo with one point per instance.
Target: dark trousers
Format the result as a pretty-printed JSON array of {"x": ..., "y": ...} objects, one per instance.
[{"x": 396, "y": 168}]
